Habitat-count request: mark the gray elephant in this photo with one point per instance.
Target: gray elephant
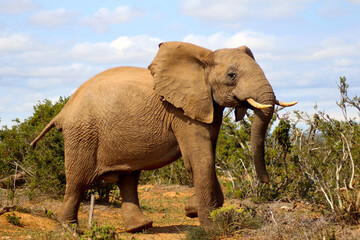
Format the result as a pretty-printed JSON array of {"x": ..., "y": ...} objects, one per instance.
[{"x": 129, "y": 119}]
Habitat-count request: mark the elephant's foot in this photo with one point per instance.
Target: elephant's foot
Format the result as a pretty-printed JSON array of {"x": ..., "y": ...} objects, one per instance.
[
  {"x": 67, "y": 217},
  {"x": 70, "y": 225},
  {"x": 134, "y": 220},
  {"x": 191, "y": 207},
  {"x": 136, "y": 223}
]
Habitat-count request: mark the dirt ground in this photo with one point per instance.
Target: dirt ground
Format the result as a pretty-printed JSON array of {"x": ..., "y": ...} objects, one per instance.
[{"x": 165, "y": 206}]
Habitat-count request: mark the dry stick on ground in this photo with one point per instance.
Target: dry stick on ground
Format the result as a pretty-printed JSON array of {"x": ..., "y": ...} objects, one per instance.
[
  {"x": 91, "y": 211},
  {"x": 272, "y": 216}
]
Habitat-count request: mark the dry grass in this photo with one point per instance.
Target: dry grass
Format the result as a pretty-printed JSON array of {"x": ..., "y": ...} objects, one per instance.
[
  {"x": 299, "y": 221},
  {"x": 165, "y": 205}
]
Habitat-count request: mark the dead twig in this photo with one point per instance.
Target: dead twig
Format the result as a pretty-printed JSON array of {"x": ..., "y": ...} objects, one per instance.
[
  {"x": 24, "y": 169},
  {"x": 272, "y": 217},
  {"x": 229, "y": 175},
  {"x": 351, "y": 161},
  {"x": 91, "y": 211},
  {"x": 7, "y": 209}
]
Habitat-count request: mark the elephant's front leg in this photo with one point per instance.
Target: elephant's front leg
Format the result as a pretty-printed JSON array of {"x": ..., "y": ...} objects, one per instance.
[
  {"x": 133, "y": 218},
  {"x": 197, "y": 151},
  {"x": 192, "y": 205}
]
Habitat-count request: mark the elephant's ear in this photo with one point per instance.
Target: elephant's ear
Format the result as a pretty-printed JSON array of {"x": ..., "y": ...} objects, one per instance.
[
  {"x": 247, "y": 51},
  {"x": 240, "y": 111},
  {"x": 180, "y": 78}
]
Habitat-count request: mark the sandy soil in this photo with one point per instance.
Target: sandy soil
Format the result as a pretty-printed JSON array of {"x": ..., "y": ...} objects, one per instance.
[{"x": 165, "y": 206}]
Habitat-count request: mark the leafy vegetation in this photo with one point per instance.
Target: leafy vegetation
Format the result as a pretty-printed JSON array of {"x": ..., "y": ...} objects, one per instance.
[
  {"x": 13, "y": 219},
  {"x": 97, "y": 232},
  {"x": 312, "y": 157},
  {"x": 228, "y": 221},
  {"x": 45, "y": 166},
  {"x": 199, "y": 233}
]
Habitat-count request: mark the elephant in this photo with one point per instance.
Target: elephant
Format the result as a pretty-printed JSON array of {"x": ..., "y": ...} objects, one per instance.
[{"x": 128, "y": 119}]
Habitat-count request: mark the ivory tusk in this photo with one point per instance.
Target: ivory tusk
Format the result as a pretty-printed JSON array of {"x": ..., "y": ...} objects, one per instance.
[
  {"x": 255, "y": 104},
  {"x": 285, "y": 104}
]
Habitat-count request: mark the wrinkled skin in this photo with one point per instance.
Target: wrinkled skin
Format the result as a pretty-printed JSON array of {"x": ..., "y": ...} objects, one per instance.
[{"x": 127, "y": 119}]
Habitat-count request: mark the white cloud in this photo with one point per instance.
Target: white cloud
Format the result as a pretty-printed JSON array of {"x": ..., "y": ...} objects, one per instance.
[
  {"x": 137, "y": 50},
  {"x": 333, "y": 9},
  {"x": 16, "y": 43},
  {"x": 16, "y": 6},
  {"x": 66, "y": 72},
  {"x": 255, "y": 41},
  {"x": 334, "y": 48},
  {"x": 40, "y": 77},
  {"x": 52, "y": 18},
  {"x": 230, "y": 10},
  {"x": 354, "y": 1},
  {"x": 104, "y": 17},
  {"x": 26, "y": 50},
  {"x": 336, "y": 55}
]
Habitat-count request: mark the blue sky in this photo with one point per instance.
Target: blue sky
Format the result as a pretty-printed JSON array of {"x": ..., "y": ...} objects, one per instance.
[{"x": 49, "y": 48}]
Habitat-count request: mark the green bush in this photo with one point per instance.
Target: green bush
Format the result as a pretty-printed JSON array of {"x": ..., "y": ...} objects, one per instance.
[
  {"x": 97, "y": 232},
  {"x": 45, "y": 165},
  {"x": 13, "y": 219}
]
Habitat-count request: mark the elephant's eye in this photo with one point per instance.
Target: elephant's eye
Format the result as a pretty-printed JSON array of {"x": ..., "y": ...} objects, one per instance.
[{"x": 232, "y": 75}]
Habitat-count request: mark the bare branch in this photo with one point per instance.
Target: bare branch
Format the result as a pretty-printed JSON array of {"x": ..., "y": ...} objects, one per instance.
[{"x": 351, "y": 161}]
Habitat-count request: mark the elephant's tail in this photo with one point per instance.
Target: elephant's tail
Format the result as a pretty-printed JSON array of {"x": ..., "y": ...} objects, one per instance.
[{"x": 46, "y": 129}]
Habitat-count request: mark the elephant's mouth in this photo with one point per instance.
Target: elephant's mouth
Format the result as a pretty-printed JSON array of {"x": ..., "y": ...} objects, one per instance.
[
  {"x": 242, "y": 103},
  {"x": 250, "y": 103}
]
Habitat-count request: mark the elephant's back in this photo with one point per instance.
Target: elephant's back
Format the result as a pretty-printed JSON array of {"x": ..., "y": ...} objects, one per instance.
[
  {"x": 115, "y": 81},
  {"x": 116, "y": 87}
]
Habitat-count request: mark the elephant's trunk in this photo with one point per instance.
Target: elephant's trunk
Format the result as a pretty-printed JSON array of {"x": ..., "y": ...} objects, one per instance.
[{"x": 260, "y": 124}]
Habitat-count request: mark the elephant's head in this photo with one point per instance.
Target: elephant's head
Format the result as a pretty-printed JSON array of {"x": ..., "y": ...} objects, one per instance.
[{"x": 193, "y": 78}]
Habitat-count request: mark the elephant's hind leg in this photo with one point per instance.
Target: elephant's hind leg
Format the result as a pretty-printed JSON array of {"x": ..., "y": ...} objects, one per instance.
[
  {"x": 133, "y": 218},
  {"x": 75, "y": 189},
  {"x": 80, "y": 175}
]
